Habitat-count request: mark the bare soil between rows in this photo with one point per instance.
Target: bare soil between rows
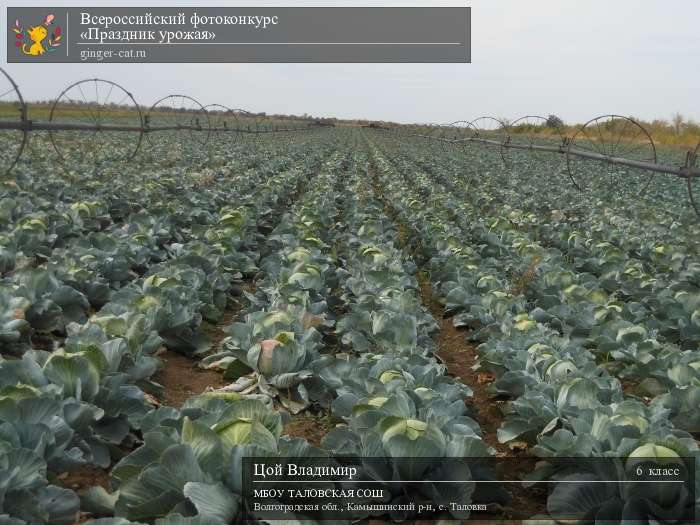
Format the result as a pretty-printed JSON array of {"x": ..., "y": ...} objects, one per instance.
[
  {"x": 308, "y": 426},
  {"x": 181, "y": 379},
  {"x": 459, "y": 355}
]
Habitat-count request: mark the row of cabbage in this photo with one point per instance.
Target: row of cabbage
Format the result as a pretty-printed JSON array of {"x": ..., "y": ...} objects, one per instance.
[
  {"x": 394, "y": 396},
  {"x": 85, "y": 400},
  {"x": 649, "y": 338},
  {"x": 563, "y": 402},
  {"x": 335, "y": 321},
  {"x": 64, "y": 256},
  {"x": 540, "y": 183},
  {"x": 269, "y": 356},
  {"x": 637, "y": 258},
  {"x": 659, "y": 275},
  {"x": 628, "y": 243}
]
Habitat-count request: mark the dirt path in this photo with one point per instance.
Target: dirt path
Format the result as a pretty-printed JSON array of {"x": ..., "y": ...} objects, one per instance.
[
  {"x": 308, "y": 426},
  {"x": 180, "y": 376},
  {"x": 312, "y": 425},
  {"x": 81, "y": 480},
  {"x": 460, "y": 355}
]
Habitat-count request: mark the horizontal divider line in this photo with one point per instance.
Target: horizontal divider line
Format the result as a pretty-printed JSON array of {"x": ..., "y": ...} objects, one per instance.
[
  {"x": 475, "y": 481},
  {"x": 269, "y": 43}
]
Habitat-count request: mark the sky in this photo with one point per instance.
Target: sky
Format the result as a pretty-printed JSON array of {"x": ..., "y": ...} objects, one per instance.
[{"x": 577, "y": 59}]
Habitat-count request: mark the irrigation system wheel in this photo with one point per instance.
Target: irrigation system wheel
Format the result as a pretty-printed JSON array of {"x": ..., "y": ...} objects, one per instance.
[
  {"x": 495, "y": 130},
  {"x": 531, "y": 131},
  {"x": 249, "y": 124},
  {"x": 610, "y": 136},
  {"x": 458, "y": 133},
  {"x": 224, "y": 123},
  {"x": 95, "y": 121},
  {"x": 13, "y": 114},
  {"x": 181, "y": 114}
]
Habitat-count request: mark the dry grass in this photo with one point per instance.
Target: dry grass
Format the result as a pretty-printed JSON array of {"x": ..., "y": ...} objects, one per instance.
[{"x": 523, "y": 280}]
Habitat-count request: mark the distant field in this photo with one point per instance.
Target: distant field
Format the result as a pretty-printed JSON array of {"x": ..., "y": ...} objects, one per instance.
[
  {"x": 42, "y": 112},
  {"x": 662, "y": 132}
]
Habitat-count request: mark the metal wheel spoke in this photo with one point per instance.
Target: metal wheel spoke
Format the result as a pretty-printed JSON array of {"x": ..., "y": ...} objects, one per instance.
[
  {"x": 86, "y": 102},
  {"x": 11, "y": 90},
  {"x": 619, "y": 138}
]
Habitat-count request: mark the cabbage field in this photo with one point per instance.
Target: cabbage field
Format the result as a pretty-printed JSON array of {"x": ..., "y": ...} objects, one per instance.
[{"x": 343, "y": 292}]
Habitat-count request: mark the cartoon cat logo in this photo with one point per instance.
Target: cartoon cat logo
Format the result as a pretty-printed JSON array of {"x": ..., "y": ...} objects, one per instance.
[{"x": 37, "y": 35}]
